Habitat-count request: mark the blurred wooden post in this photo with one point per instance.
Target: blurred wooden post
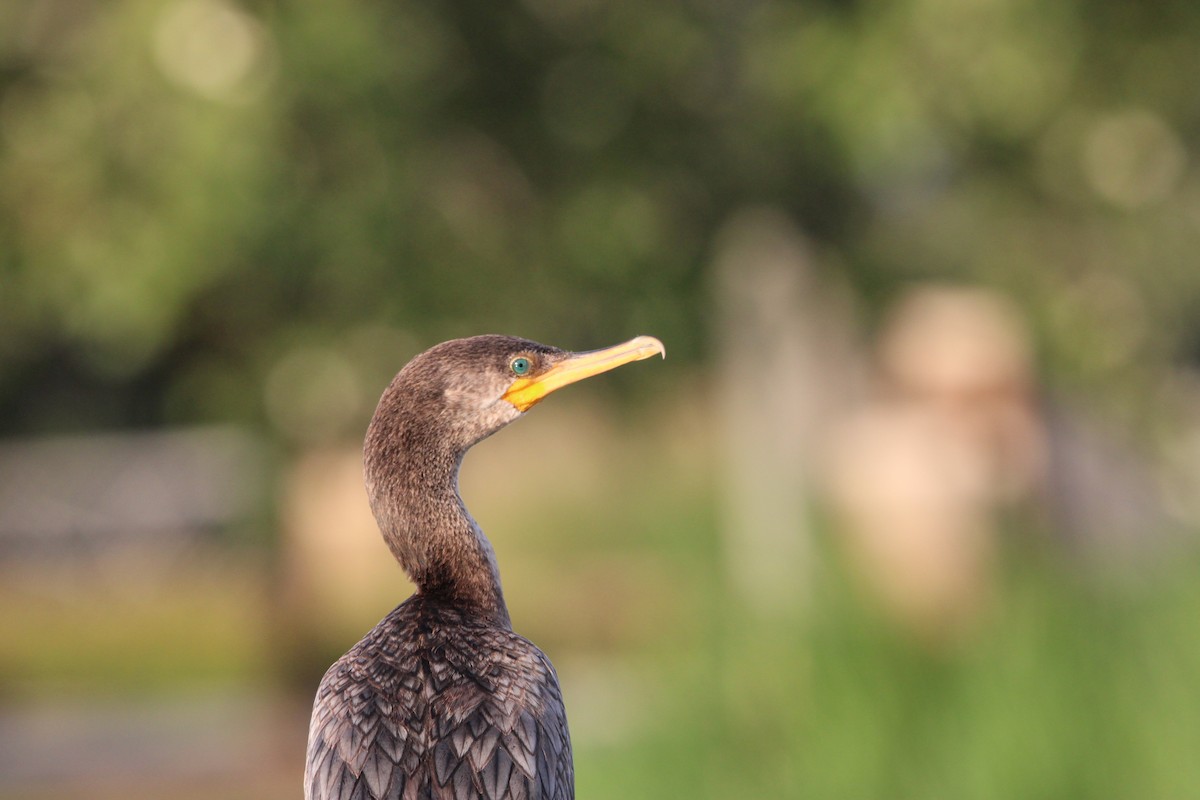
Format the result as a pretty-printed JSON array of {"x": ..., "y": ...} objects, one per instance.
[{"x": 777, "y": 351}]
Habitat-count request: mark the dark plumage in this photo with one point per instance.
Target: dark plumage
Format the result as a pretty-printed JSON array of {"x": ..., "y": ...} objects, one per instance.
[{"x": 441, "y": 699}]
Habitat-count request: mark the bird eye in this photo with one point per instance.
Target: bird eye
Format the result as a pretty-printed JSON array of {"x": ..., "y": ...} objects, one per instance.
[{"x": 520, "y": 365}]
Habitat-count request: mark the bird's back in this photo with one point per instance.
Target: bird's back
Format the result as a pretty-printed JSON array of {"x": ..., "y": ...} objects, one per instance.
[{"x": 435, "y": 704}]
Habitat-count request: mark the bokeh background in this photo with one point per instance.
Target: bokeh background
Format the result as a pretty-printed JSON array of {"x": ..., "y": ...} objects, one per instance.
[{"x": 909, "y": 512}]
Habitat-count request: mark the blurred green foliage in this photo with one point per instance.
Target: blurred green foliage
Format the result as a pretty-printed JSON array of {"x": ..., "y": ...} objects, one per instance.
[{"x": 189, "y": 189}]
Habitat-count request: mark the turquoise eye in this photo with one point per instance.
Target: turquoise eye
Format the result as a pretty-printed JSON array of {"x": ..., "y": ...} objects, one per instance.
[{"x": 520, "y": 365}]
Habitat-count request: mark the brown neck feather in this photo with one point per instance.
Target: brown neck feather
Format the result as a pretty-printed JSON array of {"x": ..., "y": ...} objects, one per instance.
[{"x": 412, "y": 483}]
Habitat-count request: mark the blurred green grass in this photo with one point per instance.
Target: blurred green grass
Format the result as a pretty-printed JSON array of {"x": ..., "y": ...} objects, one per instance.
[
  {"x": 79, "y": 632},
  {"x": 1069, "y": 689},
  {"x": 1076, "y": 682}
]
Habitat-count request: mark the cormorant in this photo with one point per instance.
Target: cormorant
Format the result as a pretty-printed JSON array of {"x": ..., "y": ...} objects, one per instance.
[{"x": 441, "y": 699}]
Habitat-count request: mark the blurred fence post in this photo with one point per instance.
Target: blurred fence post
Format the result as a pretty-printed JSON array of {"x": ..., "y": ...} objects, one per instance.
[{"x": 782, "y": 352}]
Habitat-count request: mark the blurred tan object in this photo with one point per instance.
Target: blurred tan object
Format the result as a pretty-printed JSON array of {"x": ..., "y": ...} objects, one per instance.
[
  {"x": 783, "y": 356},
  {"x": 914, "y": 505},
  {"x": 951, "y": 433},
  {"x": 965, "y": 354},
  {"x": 340, "y": 574}
]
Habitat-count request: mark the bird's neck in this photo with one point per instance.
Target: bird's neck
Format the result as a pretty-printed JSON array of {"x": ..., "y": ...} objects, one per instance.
[{"x": 415, "y": 498}]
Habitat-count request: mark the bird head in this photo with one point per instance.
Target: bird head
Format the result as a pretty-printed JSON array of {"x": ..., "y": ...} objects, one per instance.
[{"x": 467, "y": 389}]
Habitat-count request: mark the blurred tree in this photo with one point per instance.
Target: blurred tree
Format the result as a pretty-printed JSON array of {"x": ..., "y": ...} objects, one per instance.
[{"x": 190, "y": 190}]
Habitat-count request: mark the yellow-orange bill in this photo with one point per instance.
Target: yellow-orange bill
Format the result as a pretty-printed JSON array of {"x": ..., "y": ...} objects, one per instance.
[{"x": 525, "y": 393}]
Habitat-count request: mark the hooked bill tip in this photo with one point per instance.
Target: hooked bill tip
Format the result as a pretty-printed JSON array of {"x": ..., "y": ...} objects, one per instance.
[{"x": 650, "y": 346}]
